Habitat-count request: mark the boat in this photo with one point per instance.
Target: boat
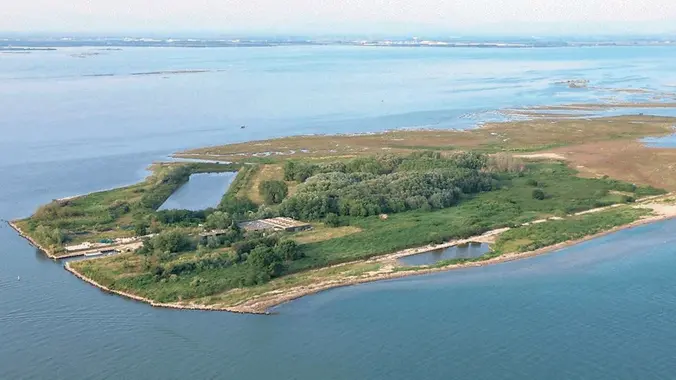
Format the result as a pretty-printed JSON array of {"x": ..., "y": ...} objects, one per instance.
[{"x": 93, "y": 254}]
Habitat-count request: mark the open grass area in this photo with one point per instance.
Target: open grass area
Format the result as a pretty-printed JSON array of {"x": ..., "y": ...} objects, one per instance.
[{"x": 321, "y": 232}]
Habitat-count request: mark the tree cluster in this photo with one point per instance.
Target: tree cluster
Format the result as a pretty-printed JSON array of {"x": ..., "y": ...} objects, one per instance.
[
  {"x": 384, "y": 184},
  {"x": 169, "y": 241}
]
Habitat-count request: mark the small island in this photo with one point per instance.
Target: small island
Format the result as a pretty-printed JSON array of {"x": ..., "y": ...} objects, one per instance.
[{"x": 310, "y": 213}]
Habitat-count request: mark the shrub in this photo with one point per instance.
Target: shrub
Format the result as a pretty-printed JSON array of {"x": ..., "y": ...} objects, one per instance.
[
  {"x": 332, "y": 220},
  {"x": 538, "y": 194}
]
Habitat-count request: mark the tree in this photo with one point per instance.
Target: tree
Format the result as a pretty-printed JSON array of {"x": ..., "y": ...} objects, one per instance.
[
  {"x": 538, "y": 194},
  {"x": 289, "y": 250},
  {"x": 273, "y": 191},
  {"x": 265, "y": 259},
  {"x": 218, "y": 220}
]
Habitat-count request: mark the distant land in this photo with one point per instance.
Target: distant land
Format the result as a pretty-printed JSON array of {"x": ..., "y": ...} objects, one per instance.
[{"x": 10, "y": 41}]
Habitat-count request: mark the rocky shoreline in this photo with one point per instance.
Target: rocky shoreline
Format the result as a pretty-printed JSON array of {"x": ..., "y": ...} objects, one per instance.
[{"x": 33, "y": 242}]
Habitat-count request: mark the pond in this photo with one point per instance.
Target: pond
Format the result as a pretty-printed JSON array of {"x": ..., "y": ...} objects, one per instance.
[
  {"x": 462, "y": 251},
  {"x": 661, "y": 142},
  {"x": 203, "y": 190}
]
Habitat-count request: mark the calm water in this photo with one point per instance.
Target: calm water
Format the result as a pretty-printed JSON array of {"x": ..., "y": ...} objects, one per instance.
[
  {"x": 464, "y": 251},
  {"x": 661, "y": 142},
  {"x": 602, "y": 310},
  {"x": 203, "y": 190}
]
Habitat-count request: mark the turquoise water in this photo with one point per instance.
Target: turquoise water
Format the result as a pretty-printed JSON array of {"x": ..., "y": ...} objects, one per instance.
[
  {"x": 602, "y": 310},
  {"x": 463, "y": 251},
  {"x": 202, "y": 191}
]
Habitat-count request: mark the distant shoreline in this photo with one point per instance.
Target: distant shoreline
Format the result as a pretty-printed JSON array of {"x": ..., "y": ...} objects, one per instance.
[{"x": 27, "y": 44}]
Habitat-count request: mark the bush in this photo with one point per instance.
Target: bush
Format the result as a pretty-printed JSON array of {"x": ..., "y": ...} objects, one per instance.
[
  {"x": 171, "y": 241},
  {"x": 141, "y": 227},
  {"x": 332, "y": 220},
  {"x": 273, "y": 191},
  {"x": 539, "y": 194}
]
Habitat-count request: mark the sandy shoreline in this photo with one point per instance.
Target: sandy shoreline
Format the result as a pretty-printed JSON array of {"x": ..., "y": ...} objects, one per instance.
[{"x": 263, "y": 303}]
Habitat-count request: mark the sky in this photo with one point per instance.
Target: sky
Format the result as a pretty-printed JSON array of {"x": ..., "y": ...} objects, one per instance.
[{"x": 340, "y": 16}]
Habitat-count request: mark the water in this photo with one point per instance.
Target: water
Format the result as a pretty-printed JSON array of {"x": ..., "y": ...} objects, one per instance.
[
  {"x": 661, "y": 142},
  {"x": 603, "y": 310},
  {"x": 202, "y": 191},
  {"x": 463, "y": 251}
]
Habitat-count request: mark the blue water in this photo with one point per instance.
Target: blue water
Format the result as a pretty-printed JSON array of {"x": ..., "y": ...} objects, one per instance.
[
  {"x": 463, "y": 251},
  {"x": 202, "y": 191},
  {"x": 601, "y": 310},
  {"x": 661, "y": 142}
]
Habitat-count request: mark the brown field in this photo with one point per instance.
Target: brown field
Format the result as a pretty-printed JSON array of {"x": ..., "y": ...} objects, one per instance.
[
  {"x": 596, "y": 147},
  {"x": 519, "y": 136},
  {"x": 627, "y": 160}
]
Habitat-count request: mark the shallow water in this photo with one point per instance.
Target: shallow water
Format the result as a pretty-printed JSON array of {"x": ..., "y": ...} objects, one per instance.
[
  {"x": 603, "y": 310},
  {"x": 202, "y": 191},
  {"x": 463, "y": 251},
  {"x": 661, "y": 142}
]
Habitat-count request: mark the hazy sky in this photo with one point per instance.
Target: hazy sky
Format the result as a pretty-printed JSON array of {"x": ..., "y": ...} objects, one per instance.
[{"x": 317, "y": 16}]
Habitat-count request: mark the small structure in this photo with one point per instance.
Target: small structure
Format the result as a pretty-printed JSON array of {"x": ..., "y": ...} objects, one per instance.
[{"x": 276, "y": 224}]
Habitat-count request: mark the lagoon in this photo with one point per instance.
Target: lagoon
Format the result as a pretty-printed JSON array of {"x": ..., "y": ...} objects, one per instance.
[
  {"x": 604, "y": 309},
  {"x": 461, "y": 251},
  {"x": 203, "y": 190}
]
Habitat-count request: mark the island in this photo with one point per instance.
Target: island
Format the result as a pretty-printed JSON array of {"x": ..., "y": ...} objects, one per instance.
[{"x": 309, "y": 213}]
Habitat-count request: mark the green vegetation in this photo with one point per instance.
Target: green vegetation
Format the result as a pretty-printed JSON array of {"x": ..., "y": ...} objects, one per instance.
[
  {"x": 384, "y": 184},
  {"x": 535, "y": 236},
  {"x": 488, "y": 193},
  {"x": 124, "y": 212},
  {"x": 362, "y": 205},
  {"x": 274, "y": 192}
]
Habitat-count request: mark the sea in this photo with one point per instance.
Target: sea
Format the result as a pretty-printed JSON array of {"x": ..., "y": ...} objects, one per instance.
[{"x": 80, "y": 119}]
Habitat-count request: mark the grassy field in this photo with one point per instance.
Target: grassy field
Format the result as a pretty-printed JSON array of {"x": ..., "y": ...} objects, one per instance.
[{"x": 535, "y": 236}]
